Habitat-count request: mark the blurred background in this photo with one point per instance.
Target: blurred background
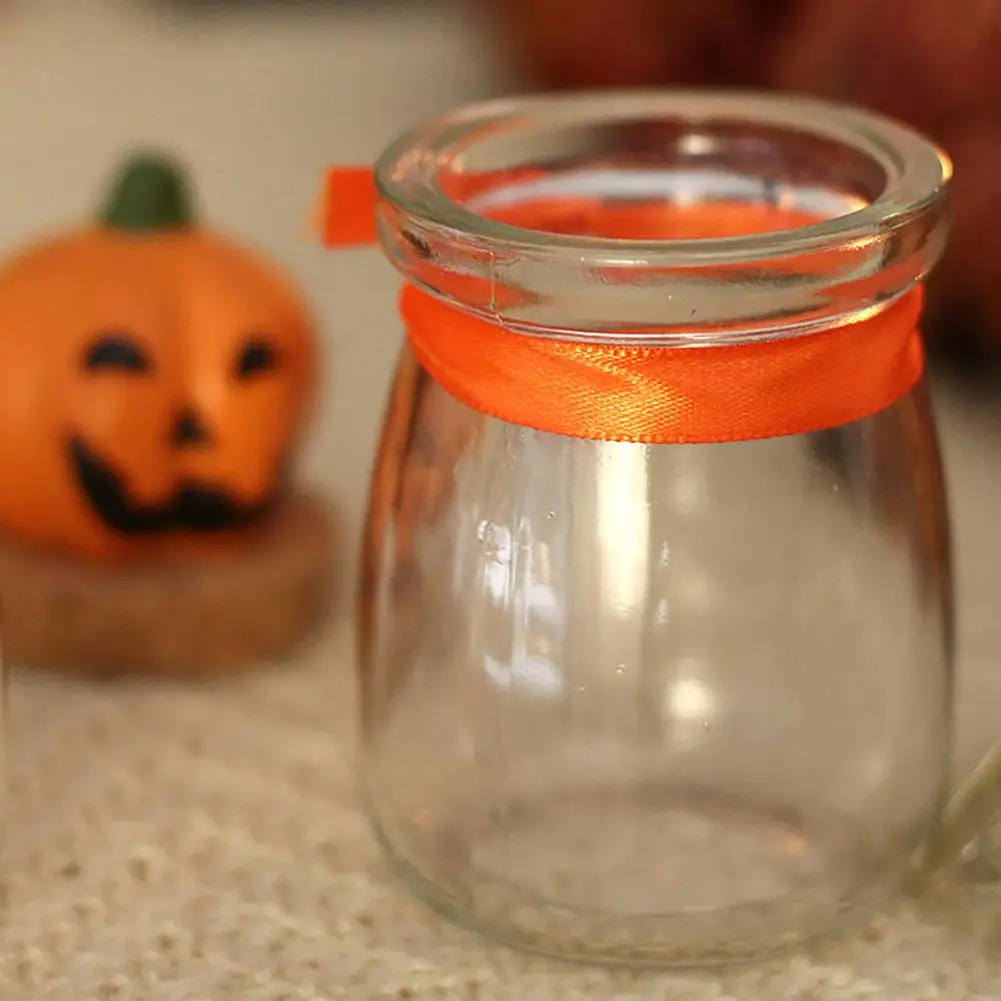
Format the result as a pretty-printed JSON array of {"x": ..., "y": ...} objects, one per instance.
[
  {"x": 256, "y": 99},
  {"x": 258, "y": 96}
]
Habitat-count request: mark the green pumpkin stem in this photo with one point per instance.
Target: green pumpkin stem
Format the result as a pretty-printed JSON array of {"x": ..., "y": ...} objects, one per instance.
[{"x": 150, "y": 192}]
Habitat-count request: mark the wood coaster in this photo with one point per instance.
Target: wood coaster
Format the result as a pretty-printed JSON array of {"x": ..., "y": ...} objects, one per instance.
[{"x": 186, "y": 618}]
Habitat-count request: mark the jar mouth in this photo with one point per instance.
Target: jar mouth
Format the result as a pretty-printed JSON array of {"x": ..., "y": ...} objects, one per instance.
[{"x": 873, "y": 188}]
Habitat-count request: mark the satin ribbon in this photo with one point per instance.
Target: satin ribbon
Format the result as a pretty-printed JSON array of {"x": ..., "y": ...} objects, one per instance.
[{"x": 659, "y": 395}]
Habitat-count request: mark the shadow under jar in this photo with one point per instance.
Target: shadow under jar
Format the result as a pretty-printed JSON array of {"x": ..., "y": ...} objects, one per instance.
[{"x": 655, "y": 624}]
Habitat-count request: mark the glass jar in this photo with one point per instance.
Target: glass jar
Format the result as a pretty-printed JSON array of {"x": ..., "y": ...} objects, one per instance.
[{"x": 655, "y": 621}]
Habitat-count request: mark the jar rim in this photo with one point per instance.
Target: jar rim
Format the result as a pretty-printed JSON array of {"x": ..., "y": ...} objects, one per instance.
[
  {"x": 407, "y": 173},
  {"x": 590, "y": 285}
]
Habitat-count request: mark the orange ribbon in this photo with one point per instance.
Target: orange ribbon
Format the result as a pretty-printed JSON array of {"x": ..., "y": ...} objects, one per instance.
[{"x": 658, "y": 395}]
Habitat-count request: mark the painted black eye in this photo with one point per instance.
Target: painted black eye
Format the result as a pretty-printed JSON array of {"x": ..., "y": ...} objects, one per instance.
[
  {"x": 118, "y": 352},
  {"x": 257, "y": 356}
]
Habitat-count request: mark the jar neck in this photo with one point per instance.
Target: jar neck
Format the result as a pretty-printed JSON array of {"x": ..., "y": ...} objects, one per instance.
[{"x": 663, "y": 217}]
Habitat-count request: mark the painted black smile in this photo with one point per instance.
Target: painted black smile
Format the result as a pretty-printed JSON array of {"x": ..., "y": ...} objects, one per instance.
[{"x": 194, "y": 507}]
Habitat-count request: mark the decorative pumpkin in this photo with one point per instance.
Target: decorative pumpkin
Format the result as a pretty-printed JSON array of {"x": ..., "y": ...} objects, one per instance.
[{"x": 153, "y": 379}]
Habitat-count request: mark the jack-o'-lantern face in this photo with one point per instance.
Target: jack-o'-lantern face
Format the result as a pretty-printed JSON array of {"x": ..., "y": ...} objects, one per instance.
[{"x": 152, "y": 386}]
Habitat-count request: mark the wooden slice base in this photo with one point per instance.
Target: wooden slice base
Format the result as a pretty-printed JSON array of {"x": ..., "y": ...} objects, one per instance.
[{"x": 188, "y": 618}]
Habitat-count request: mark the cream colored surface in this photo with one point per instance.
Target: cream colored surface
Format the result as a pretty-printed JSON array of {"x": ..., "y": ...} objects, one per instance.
[{"x": 193, "y": 844}]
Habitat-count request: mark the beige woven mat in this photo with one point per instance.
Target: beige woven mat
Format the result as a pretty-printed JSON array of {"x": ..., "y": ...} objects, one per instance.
[{"x": 202, "y": 843}]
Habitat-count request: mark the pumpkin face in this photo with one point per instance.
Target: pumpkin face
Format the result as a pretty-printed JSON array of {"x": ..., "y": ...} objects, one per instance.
[{"x": 152, "y": 386}]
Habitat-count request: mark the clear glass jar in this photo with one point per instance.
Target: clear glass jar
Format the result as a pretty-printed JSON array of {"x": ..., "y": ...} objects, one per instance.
[{"x": 657, "y": 703}]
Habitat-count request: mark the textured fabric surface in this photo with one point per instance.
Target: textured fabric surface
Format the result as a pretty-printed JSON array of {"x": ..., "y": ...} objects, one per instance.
[{"x": 203, "y": 842}]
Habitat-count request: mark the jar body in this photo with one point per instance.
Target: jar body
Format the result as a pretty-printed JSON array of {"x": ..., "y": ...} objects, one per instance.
[
  {"x": 653, "y": 703},
  {"x": 655, "y": 624}
]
